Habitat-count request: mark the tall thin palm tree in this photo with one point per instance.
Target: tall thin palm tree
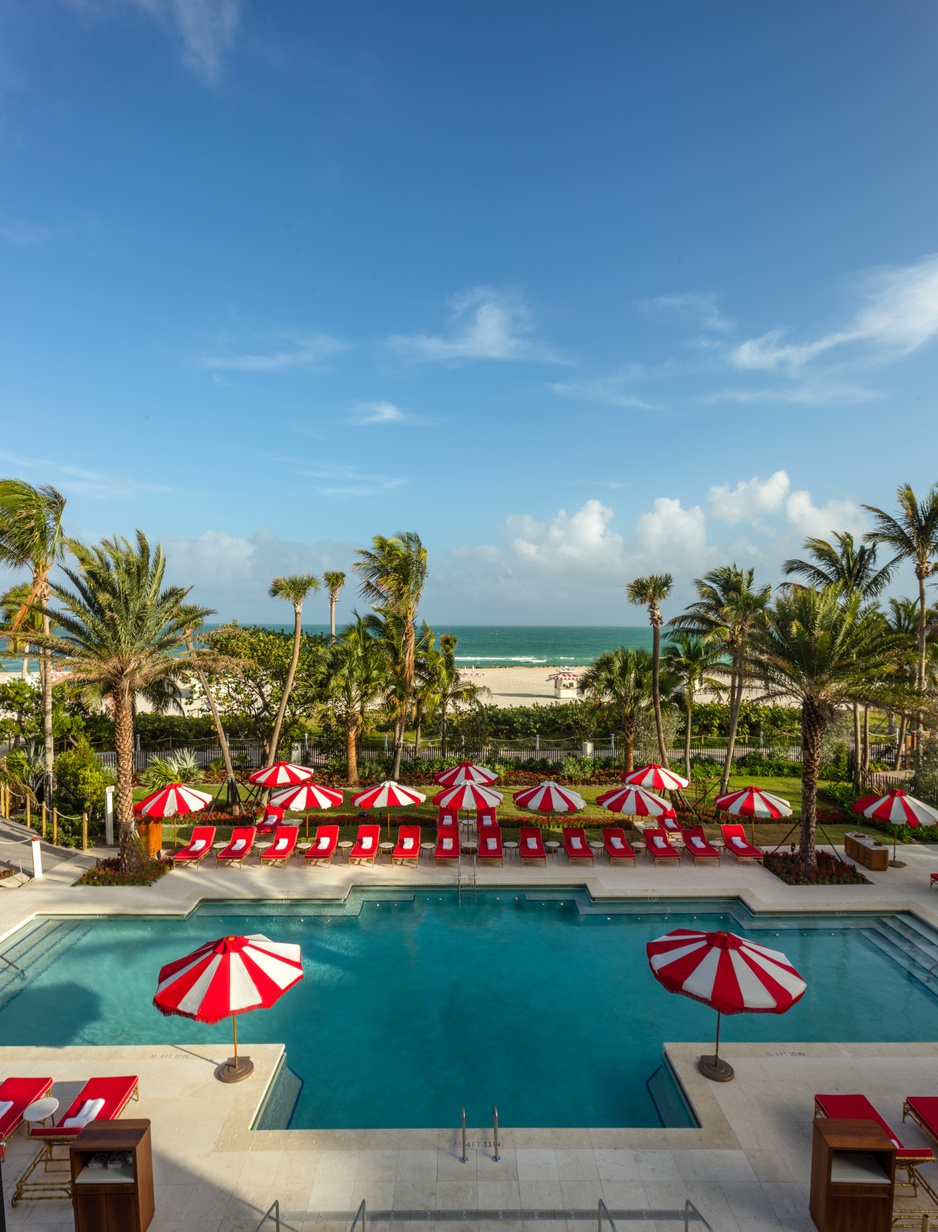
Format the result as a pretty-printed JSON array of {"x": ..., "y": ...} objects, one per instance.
[
  {"x": 649, "y": 592},
  {"x": 391, "y": 574},
  {"x": 689, "y": 660},
  {"x": 199, "y": 666},
  {"x": 335, "y": 580},
  {"x": 728, "y": 608},
  {"x": 827, "y": 649},
  {"x": 623, "y": 680},
  {"x": 351, "y": 675},
  {"x": 31, "y": 538},
  {"x": 118, "y": 629},
  {"x": 295, "y": 590}
]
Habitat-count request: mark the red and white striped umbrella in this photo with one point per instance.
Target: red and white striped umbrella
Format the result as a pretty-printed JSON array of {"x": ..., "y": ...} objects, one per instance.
[
  {"x": 465, "y": 772},
  {"x": 387, "y": 795},
  {"x": 655, "y": 778},
  {"x": 728, "y": 973},
  {"x": 174, "y": 800},
  {"x": 307, "y": 796},
  {"x": 227, "y": 977},
  {"x": 280, "y": 774},
  {"x": 898, "y": 809},
  {"x": 635, "y": 802},
  {"x": 753, "y": 802},
  {"x": 549, "y": 798},
  {"x": 468, "y": 797}
]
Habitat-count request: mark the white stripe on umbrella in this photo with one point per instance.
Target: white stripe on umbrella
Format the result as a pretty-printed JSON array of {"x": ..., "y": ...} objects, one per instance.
[
  {"x": 655, "y": 778},
  {"x": 549, "y": 797},
  {"x": 468, "y": 796},
  {"x": 242, "y": 992},
  {"x": 635, "y": 802},
  {"x": 465, "y": 772},
  {"x": 307, "y": 796},
  {"x": 897, "y": 808},
  {"x": 387, "y": 795},
  {"x": 173, "y": 800},
  {"x": 753, "y": 802},
  {"x": 280, "y": 774},
  {"x": 189, "y": 1004}
]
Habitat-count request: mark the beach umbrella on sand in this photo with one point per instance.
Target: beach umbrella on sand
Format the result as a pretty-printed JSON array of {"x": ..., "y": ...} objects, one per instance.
[
  {"x": 468, "y": 797},
  {"x": 307, "y": 796},
  {"x": 549, "y": 798},
  {"x": 280, "y": 774},
  {"x": 753, "y": 802},
  {"x": 728, "y": 973},
  {"x": 635, "y": 802},
  {"x": 174, "y": 801},
  {"x": 387, "y": 795},
  {"x": 898, "y": 809},
  {"x": 227, "y": 977},
  {"x": 465, "y": 772},
  {"x": 654, "y": 778}
]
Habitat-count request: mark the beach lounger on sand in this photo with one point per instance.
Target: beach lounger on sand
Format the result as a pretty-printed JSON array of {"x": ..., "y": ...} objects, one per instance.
[
  {"x": 273, "y": 817},
  {"x": 100, "y": 1099},
  {"x": 282, "y": 847},
  {"x": 366, "y": 845},
  {"x": 447, "y": 844},
  {"x": 239, "y": 846},
  {"x": 16, "y": 1094},
  {"x": 575, "y": 844},
  {"x": 490, "y": 845},
  {"x": 859, "y": 1108},
  {"x": 734, "y": 836},
  {"x": 199, "y": 846},
  {"x": 407, "y": 850},
  {"x": 697, "y": 845},
  {"x": 616, "y": 845},
  {"x": 323, "y": 846},
  {"x": 531, "y": 846},
  {"x": 658, "y": 845}
]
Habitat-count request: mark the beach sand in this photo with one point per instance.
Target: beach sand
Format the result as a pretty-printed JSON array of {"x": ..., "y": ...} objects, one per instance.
[{"x": 518, "y": 686}]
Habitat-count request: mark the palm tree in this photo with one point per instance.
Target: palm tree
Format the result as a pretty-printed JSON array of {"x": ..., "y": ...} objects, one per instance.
[
  {"x": 351, "y": 675},
  {"x": 827, "y": 649},
  {"x": 392, "y": 573},
  {"x": 688, "y": 659},
  {"x": 234, "y": 797},
  {"x": 912, "y": 536},
  {"x": 727, "y": 609},
  {"x": 119, "y": 630},
  {"x": 649, "y": 592},
  {"x": 13, "y": 603},
  {"x": 294, "y": 589},
  {"x": 623, "y": 679},
  {"x": 335, "y": 581},
  {"x": 31, "y": 538}
]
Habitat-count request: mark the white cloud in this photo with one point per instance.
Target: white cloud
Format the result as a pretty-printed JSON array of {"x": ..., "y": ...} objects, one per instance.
[
  {"x": 808, "y": 519},
  {"x": 815, "y": 392},
  {"x": 295, "y": 351},
  {"x": 487, "y": 323},
  {"x": 699, "y": 307},
  {"x": 671, "y": 534},
  {"x": 582, "y": 538},
  {"x": 749, "y": 498},
  {"x": 338, "y": 479},
  {"x": 77, "y": 481},
  {"x": 366, "y": 414},
  {"x": 610, "y": 391}
]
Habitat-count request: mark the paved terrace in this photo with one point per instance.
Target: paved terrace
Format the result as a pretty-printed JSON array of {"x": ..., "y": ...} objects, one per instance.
[{"x": 746, "y": 1168}]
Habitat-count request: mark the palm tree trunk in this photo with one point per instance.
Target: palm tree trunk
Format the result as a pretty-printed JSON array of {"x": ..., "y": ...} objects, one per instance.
[
  {"x": 351, "y": 752},
  {"x": 900, "y": 742},
  {"x": 866, "y": 740},
  {"x": 444, "y": 730},
  {"x": 656, "y": 688},
  {"x": 736, "y": 701},
  {"x": 628, "y": 742},
  {"x": 124, "y": 746},
  {"x": 48, "y": 777},
  {"x": 856, "y": 746},
  {"x": 922, "y": 660},
  {"x": 813, "y": 725},
  {"x": 332, "y": 603},
  {"x": 282, "y": 709},
  {"x": 399, "y": 726},
  {"x": 689, "y": 704},
  {"x": 233, "y": 795}
]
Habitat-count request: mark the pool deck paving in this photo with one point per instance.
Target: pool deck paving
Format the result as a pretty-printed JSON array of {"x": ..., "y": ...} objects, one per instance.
[{"x": 746, "y": 1169}]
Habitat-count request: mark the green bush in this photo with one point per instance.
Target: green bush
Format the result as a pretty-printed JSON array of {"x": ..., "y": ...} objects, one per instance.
[{"x": 81, "y": 780}]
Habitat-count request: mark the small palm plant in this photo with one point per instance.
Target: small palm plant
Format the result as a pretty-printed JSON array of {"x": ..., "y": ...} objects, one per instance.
[{"x": 179, "y": 767}]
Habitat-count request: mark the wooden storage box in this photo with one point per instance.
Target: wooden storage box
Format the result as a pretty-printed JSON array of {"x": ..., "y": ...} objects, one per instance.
[
  {"x": 112, "y": 1199},
  {"x": 853, "y": 1176}
]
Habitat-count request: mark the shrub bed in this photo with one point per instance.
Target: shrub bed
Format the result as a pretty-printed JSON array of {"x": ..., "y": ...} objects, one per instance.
[
  {"x": 108, "y": 873},
  {"x": 787, "y": 867}
]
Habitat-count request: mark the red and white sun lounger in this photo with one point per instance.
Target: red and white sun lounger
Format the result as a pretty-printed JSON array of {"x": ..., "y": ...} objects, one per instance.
[
  {"x": 366, "y": 845},
  {"x": 447, "y": 844},
  {"x": 446, "y": 820},
  {"x": 859, "y": 1108},
  {"x": 239, "y": 846},
  {"x": 282, "y": 847},
  {"x": 407, "y": 850},
  {"x": 273, "y": 817},
  {"x": 323, "y": 846},
  {"x": 575, "y": 844},
  {"x": 616, "y": 845},
  {"x": 490, "y": 845},
  {"x": 485, "y": 819},
  {"x": 698, "y": 846},
  {"x": 531, "y": 846},
  {"x": 658, "y": 845},
  {"x": 734, "y": 836},
  {"x": 16, "y": 1094},
  {"x": 671, "y": 825},
  {"x": 199, "y": 846}
]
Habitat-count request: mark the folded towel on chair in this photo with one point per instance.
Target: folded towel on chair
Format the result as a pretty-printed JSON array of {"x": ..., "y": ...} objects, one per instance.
[
  {"x": 238, "y": 844},
  {"x": 197, "y": 845},
  {"x": 576, "y": 841},
  {"x": 366, "y": 842},
  {"x": 407, "y": 844},
  {"x": 659, "y": 842},
  {"x": 531, "y": 842},
  {"x": 5, "y": 1106},
  {"x": 697, "y": 841},
  {"x": 323, "y": 842},
  {"x": 491, "y": 844},
  {"x": 87, "y": 1112},
  {"x": 616, "y": 841},
  {"x": 738, "y": 842},
  {"x": 447, "y": 844}
]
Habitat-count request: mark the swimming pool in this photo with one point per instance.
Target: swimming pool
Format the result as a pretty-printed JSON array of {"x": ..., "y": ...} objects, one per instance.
[{"x": 414, "y": 1004}]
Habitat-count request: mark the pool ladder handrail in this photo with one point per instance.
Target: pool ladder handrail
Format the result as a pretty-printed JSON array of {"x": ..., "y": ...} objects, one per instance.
[
  {"x": 690, "y": 1209},
  {"x": 359, "y": 1214},
  {"x": 274, "y": 1212},
  {"x": 602, "y": 1211}
]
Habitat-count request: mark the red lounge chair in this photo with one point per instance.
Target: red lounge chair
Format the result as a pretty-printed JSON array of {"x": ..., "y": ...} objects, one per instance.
[
  {"x": 200, "y": 844},
  {"x": 407, "y": 850},
  {"x": 366, "y": 845},
  {"x": 239, "y": 846},
  {"x": 575, "y": 844},
  {"x": 447, "y": 844},
  {"x": 671, "y": 825},
  {"x": 16, "y": 1094},
  {"x": 658, "y": 845},
  {"x": 490, "y": 845},
  {"x": 617, "y": 848},
  {"x": 445, "y": 819},
  {"x": 734, "y": 836},
  {"x": 485, "y": 819},
  {"x": 932, "y": 880},
  {"x": 859, "y": 1108},
  {"x": 698, "y": 846},
  {"x": 531, "y": 846},
  {"x": 923, "y": 1109},
  {"x": 323, "y": 846},
  {"x": 273, "y": 817},
  {"x": 282, "y": 847}
]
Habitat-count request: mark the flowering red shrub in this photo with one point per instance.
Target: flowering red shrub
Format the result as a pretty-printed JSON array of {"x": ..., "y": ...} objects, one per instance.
[
  {"x": 108, "y": 873},
  {"x": 829, "y": 870}
]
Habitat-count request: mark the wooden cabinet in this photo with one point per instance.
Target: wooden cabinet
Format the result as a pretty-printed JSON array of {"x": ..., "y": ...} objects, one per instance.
[
  {"x": 152, "y": 834},
  {"x": 853, "y": 1170},
  {"x": 116, "y": 1198},
  {"x": 866, "y": 851}
]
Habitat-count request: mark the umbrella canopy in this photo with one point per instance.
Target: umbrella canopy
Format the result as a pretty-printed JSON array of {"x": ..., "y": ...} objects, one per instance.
[
  {"x": 468, "y": 797},
  {"x": 550, "y": 798},
  {"x": 307, "y": 796},
  {"x": 280, "y": 774},
  {"x": 898, "y": 809},
  {"x": 635, "y": 802},
  {"x": 728, "y": 973},
  {"x": 226, "y": 977},
  {"x": 175, "y": 800},
  {"x": 465, "y": 772},
  {"x": 387, "y": 795},
  {"x": 753, "y": 802},
  {"x": 655, "y": 778}
]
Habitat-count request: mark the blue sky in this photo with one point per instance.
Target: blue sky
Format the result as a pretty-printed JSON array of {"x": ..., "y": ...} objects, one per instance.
[{"x": 575, "y": 291}]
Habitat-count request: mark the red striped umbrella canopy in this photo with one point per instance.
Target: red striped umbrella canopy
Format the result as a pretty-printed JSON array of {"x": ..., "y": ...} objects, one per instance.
[
  {"x": 280, "y": 774},
  {"x": 387, "y": 795},
  {"x": 175, "y": 800},
  {"x": 468, "y": 796},
  {"x": 753, "y": 802},
  {"x": 897, "y": 808},
  {"x": 228, "y": 976},
  {"x": 465, "y": 772},
  {"x": 655, "y": 778},
  {"x": 635, "y": 802},
  {"x": 549, "y": 798},
  {"x": 307, "y": 796}
]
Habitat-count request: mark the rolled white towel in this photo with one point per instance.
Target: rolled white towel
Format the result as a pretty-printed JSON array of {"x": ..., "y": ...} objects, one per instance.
[
  {"x": 407, "y": 844},
  {"x": 197, "y": 845},
  {"x": 5, "y": 1106},
  {"x": 323, "y": 842},
  {"x": 617, "y": 842},
  {"x": 531, "y": 843},
  {"x": 659, "y": 842},
  {"x": 447, "y": 844},
  {"x": 738, "y": 842},
  {"x": 697, "y": 841},
  {"x": 238, "y": 844},
  {"x": 491, "y": 844},
  {"x": 576, "y": 842},
  {"x": 87, "y": 1112},
  {"x": 367, "y": 843}
]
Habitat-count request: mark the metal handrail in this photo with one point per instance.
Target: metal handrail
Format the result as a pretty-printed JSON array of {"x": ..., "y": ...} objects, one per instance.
[
  {"x": 601, "y": 1210},
  {"x": 690, "y": 1208},
  {"x": 275, "y": 1211},
  {"x": 496, "y": 1158},
  {"x": 359, "y": 1214}
]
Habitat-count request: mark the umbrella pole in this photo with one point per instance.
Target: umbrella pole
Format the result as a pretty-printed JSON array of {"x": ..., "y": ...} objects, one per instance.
[
  {"x": 238, "y": 1068},
  {"x": 894, "y": 863},
  {"x": 712, "y": 1067},
  {"x": 234, "y": 1027}
]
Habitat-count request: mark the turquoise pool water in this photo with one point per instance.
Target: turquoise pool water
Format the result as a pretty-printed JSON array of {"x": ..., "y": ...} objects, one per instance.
[{"x": 414, "y": 1005}]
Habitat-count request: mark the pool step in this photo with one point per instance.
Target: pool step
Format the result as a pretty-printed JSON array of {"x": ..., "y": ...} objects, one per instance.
[
  {"x": 34, "y": 952},
  {"x": 909, "y": 948}
]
